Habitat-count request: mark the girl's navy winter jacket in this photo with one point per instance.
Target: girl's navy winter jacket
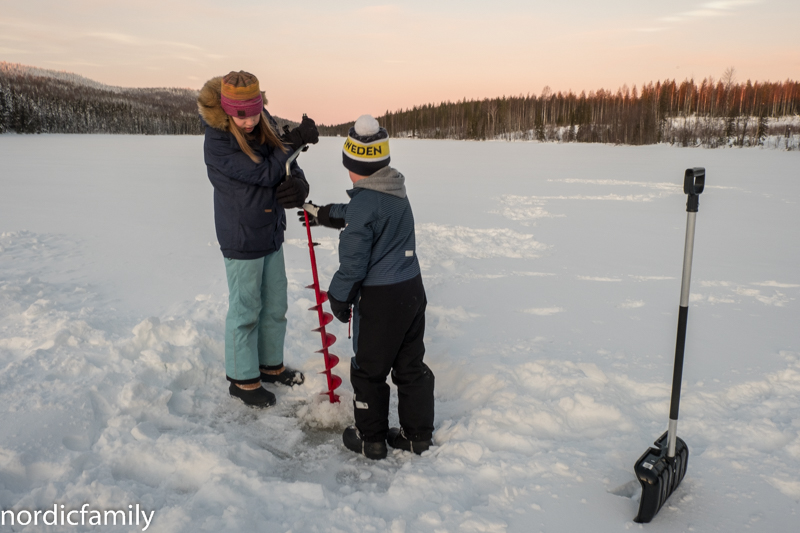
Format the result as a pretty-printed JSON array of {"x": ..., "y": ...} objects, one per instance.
[{"x": 249, "y": 221}]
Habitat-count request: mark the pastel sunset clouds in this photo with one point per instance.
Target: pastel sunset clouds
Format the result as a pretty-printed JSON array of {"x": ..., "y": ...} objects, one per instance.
[{"x": 338, "y": 60}]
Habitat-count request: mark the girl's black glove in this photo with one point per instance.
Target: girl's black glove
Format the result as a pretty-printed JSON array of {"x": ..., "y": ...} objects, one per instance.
[
  {"x": 292, "y": 192},
  {"x": 340, "y": 310},
  {"x": 305, "y": 133}
]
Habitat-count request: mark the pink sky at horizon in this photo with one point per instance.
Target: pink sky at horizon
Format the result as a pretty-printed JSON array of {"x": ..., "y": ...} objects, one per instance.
[{"x": 336, "y": 61}]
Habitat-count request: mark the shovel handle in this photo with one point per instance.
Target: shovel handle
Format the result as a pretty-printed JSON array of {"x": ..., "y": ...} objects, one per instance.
[{"x": 693, "y": 184}]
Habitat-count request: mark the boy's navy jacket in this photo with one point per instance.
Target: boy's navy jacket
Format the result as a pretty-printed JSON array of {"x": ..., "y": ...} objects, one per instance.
[
  {"x": 377, "y": 245},
  {"x": 249, "y": 221}
]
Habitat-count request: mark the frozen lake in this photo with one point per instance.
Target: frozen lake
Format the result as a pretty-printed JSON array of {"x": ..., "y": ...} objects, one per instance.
[{"x": 553, "y": 279}]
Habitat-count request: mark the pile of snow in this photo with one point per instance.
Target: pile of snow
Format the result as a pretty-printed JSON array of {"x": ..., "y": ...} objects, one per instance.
[{"x": 553, "y": 277}]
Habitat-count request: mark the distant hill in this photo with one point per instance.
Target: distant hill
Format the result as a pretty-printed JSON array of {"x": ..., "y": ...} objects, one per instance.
[
  {"x": 36, "y": 100},
  {"x": 15, "y": 69}
]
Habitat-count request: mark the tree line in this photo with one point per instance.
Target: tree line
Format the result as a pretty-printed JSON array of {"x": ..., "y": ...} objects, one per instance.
[{"x": 711, "y": 113}]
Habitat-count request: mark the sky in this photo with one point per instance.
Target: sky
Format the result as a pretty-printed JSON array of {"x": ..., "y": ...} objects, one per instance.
[{"x": 338, "y": 60}]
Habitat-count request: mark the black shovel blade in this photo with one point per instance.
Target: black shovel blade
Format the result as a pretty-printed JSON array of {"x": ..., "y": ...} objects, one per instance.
[{"x": 659, "y": 476}]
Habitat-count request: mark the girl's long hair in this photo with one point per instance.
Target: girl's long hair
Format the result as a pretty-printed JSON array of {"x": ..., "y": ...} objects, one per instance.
[{"x": 263, "y": 134}]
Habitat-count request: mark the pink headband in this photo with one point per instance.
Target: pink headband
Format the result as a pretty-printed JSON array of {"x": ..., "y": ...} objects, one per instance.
[{"x": 242, "y": 108}]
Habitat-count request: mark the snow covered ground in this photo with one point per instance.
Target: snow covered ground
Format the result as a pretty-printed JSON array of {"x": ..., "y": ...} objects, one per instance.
[{"x": 553, "y": 276}]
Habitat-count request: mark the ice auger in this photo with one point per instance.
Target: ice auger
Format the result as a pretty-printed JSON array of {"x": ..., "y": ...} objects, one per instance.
[{"x": 325, "y": 318}]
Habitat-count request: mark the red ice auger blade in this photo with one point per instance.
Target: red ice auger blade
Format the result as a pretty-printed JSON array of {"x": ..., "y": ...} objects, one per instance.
[
  {"x": 327, "y": 318},
  {"x": 323, "y": 298},
  {"x": 324, "y": 318},
  {"x": 332, "y": 361},
  {"x": 329, "y": 339},
  {"x": 336, "y": 382}
]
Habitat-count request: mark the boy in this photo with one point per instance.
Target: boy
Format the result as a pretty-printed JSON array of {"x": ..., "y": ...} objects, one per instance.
[{"x": 379, "y": 276}]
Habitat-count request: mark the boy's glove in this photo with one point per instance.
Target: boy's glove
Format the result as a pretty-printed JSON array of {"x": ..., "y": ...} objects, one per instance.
[
  {"x": 305, "y": 133},
  {"x": 292, "y": 192},
  {"x": 339, "y": 309},
  {"x": 313, "y": 213},
  {"x": 319, "y": 216}
]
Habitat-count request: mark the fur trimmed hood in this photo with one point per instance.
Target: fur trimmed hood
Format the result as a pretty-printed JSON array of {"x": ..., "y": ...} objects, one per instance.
[{"x": 208, "y": 104}]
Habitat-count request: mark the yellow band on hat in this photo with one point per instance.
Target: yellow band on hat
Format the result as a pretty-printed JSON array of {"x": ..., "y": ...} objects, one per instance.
[
  {"x": 240, "y": 93},
  {"x": 367, "y": 152}
]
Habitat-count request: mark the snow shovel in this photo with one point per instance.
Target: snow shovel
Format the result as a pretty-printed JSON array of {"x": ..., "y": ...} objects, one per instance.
[{"x": 661, "y": 468}]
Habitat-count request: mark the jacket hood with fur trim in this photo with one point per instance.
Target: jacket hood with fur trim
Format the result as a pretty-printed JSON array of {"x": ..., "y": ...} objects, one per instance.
[{"x": 208, "y": 104}]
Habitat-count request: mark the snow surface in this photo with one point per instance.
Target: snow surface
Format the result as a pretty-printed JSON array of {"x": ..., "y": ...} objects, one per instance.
[{"x": 553, "y": 276}]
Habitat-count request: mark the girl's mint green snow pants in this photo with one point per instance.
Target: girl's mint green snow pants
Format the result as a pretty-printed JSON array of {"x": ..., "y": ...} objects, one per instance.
[{"x": 255, "y": 326}]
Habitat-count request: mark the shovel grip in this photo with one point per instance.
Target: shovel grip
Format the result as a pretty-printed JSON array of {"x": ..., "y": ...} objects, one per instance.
[{"x": 694, "y": 181}]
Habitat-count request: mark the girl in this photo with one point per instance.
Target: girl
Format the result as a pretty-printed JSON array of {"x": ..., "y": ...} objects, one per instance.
[{"x": 246, "y": 165}]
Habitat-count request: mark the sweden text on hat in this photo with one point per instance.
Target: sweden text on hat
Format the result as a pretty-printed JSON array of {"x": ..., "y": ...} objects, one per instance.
[{"x": 366, "y": 149}]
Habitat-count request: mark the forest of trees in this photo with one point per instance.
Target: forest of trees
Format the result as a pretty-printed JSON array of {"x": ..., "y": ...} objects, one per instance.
[
  {"x": 40, "y": 101},
  {"x": 34, "y": 100},
  {"x": 711, "y": 113}
]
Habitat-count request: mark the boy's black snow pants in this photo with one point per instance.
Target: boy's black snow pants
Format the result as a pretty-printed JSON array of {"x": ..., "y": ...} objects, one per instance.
[{"x": 389, "y": 330}]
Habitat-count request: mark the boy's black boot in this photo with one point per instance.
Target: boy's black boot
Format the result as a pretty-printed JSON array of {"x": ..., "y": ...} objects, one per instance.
[
  {"x": 397, "y": 439},
  {"x": 258, "y": 398},
  {"x": 371, "y": 450},
  {"x": 281, "y": 374}
]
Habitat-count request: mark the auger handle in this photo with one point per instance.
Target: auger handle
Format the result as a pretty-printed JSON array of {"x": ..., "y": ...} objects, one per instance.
[{"x": 292, "y": 158}]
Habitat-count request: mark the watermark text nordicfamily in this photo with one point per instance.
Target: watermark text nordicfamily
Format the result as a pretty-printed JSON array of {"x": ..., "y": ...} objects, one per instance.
[{"x": 59, "y": 515}]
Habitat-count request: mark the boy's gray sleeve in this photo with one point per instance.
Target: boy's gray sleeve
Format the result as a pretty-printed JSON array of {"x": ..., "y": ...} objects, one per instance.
[{"x": 355, "y": 249}]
